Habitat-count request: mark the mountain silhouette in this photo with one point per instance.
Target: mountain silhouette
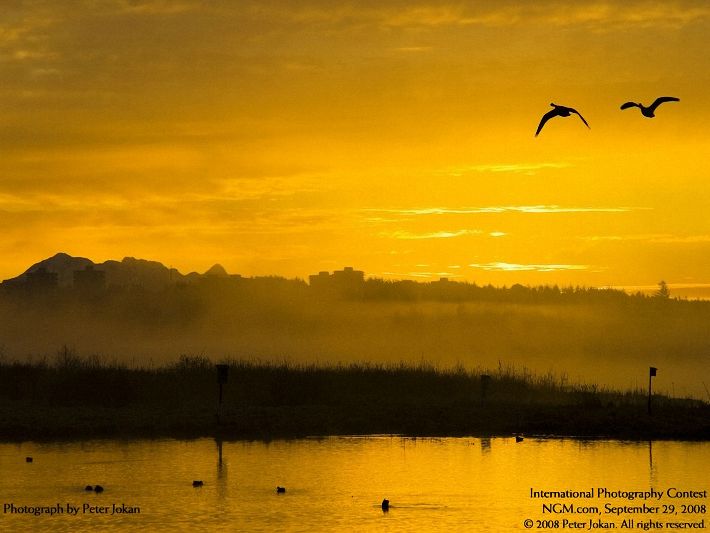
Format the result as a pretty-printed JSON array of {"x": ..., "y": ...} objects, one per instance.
[
  {"x": 217, "y": 271},
  {"x": 125, "y": 273},
  {"x": 63, "y": 264}
]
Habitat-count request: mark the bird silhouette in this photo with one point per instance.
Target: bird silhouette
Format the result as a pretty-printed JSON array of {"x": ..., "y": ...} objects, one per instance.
[
  {"x": 650, "y": 110},
  {"x": 558, "y": 111}
]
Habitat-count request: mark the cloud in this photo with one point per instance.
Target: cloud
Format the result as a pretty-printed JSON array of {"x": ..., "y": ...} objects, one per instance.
[
  {"x": 433, "y": 235},
  {"x": 518, "y": 267},
  {"x": 401, "y": 275},
  {"x": 433, "y": 275},
  {"x": 654, "y": 238},
  {"x": 506, "y": 209},
  {"x": 599, "y": 15},
  {"x": 516, "y": 168},
  {"x": 159, "y": 7}
]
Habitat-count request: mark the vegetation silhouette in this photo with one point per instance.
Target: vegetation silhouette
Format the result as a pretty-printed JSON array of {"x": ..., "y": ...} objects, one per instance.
[
  {"x": 59, "y": 399},
  {"x": 558, "y": 111},
  {"x": 663, "y": 290},
  {"x": 649, "y": 112}
]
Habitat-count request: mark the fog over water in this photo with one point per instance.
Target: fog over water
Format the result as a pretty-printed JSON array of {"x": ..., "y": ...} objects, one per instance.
[{"x": 598, "y": 337}]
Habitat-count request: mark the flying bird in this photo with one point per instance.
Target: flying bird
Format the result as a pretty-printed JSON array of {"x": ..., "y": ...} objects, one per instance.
[
  {"x": 650, "y": 110},
  {"x": 558, "y": 111}
]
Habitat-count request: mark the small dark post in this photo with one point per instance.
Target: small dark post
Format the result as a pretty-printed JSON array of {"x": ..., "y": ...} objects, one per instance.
[
  {"x": 222, "y": 377},
  {"x": 651, "y": 374},
  {"x": 485, "y": 383}
]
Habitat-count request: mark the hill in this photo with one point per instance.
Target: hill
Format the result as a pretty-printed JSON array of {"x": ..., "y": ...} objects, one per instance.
[{"x": 128, "y": 272}]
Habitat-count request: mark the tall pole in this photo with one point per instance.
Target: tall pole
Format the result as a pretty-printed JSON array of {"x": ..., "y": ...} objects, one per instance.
[
  {"x": 219, "y": 406},
  {"x": 651, "y": 372},
  {"x": 222, "y": 376}
]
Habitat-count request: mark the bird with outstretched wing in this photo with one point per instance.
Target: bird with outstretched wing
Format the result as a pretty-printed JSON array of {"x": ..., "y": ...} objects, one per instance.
[
  {"x": 559, "y": 111},
  {"x": 649, "y": 111}
]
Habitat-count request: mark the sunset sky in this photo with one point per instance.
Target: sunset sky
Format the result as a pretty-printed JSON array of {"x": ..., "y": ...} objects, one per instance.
[{"x": 285, "y": 138}]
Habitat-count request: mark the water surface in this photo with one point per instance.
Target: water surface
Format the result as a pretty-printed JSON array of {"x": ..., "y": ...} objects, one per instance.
[{"x": 333, "y": 484}]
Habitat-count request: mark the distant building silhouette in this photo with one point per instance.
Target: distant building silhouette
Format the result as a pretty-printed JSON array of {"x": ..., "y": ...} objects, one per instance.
[
  {"x": 348, "y": 283},
  {"x": 349, "y": 276},
  {"x": 320, "y": 280},
  {"x": 89, "y": 279},
  {"x": 41, "y": 280}
]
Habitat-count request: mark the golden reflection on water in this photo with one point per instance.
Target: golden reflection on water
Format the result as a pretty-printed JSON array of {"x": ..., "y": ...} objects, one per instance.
[{"x": 332, "y": 484}]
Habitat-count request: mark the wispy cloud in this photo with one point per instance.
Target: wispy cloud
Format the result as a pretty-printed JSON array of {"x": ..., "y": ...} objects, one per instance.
[
  {"x": 433, "y": 275},
  {"x": 401, "y": 275},
  {"x": 159, "y": 7},
  {"x": 505, "y": 209},
  {"x": 406, "y": 235},
  {"x": 598, "y": 15},
  {"x": 518, "y": 267},
  {"x": 16, "y": 203},
  {"x": 516, "y": 168},
  {"x": 658, "y": 238}
]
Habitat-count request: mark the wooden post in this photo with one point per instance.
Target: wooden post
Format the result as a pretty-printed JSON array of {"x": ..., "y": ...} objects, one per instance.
[
  {"x": 222, "y": 377},
  {"x": 651, "y": 373}
]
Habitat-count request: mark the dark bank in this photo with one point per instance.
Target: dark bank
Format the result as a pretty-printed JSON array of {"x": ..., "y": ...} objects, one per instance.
[{"x": 78, "y": 397}]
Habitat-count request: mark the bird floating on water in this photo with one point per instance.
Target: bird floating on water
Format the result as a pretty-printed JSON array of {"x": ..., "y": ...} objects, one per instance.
[
  {"x": 98, "y": 488},
  {"x": 28, "y": 459},
  {"x": 280, "y": 490},
  {"x": 385, "y": 505},
  {"x": 650, "y": 110},
  {"x": 197, "y": 483},
  {"x": 518, "y": 438},
  {"x": 558, "y": 111}
]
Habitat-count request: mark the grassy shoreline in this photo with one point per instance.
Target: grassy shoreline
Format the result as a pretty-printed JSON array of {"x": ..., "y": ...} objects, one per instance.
[{"x": 74, "y": 398}]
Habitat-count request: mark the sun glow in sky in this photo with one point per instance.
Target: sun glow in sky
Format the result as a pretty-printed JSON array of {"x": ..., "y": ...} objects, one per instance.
[{"x": 398, "y": 137}]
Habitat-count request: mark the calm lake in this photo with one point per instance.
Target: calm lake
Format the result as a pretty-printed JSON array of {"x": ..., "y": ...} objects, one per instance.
[{"x": 338, "y": 484}]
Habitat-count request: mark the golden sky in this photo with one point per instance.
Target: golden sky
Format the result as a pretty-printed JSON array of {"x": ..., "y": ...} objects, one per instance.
[{"x": 280, "y": 137}]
